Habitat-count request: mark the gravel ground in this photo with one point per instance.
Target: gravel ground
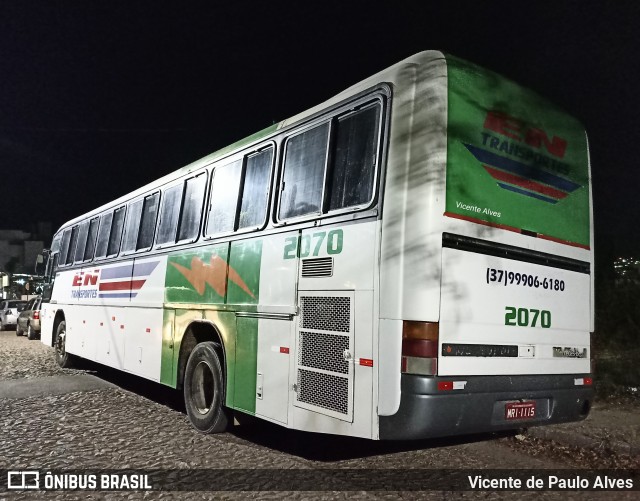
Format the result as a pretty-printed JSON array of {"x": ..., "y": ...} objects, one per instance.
[
  {"x": 22, "y": 358},
  {"x": 137, "y": 424}
]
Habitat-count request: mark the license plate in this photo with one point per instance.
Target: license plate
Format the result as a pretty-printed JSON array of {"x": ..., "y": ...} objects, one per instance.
[{"x": 519, "y": 410}]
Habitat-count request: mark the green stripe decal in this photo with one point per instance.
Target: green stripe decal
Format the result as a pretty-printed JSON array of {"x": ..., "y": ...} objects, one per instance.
[
  {"x": 225, "y": 276},
  {"x": 167, "y": 371},
  {"x": 246, "y": 364}
]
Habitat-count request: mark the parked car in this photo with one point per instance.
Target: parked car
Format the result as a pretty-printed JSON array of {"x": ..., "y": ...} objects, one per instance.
[
  {"x": 29, "y": 319},
  {"x": 9, "y": 310}
]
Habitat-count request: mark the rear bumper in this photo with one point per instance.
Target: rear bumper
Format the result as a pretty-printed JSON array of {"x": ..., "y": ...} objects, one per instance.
[{"x": 426, "y": 412}]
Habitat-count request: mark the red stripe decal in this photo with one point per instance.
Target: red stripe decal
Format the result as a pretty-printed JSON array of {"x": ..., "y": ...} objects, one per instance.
[
  {"x": 525, "y": 183},
  {"x": 516, "y": 230},
  {"x": 122, "y": 286}
]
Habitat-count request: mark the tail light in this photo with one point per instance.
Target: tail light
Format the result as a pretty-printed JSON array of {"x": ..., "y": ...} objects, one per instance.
[
  {"x": 420, "y": 348},
  {"x": 36, "y": 315}
]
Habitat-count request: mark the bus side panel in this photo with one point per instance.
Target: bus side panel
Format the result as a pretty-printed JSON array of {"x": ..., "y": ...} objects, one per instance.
[
  {"x": 278, "y": 273},
  {"x": 143, "y": 342},
  {"x": 275, "y": 351},
  {"x": 413, "y": 202}
]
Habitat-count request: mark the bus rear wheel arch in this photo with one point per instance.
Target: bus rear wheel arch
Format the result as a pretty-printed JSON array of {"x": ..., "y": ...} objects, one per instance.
[{"x": 204, "y": 389}]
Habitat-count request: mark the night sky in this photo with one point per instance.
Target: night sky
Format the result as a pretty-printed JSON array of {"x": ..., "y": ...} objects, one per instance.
[{"x": 98, "y": 98}]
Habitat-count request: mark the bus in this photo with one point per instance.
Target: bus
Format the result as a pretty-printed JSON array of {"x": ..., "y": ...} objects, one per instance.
[{"x": 412, "y": 258}]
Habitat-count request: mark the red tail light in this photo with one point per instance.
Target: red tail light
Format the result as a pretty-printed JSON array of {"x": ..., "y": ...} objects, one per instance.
[
  {"x": 420, "y": 348},
  {"x": 36, "y": 314}
]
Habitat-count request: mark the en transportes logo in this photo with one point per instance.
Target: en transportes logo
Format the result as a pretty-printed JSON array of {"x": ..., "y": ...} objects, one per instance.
[{"x": 536, "y": 174}]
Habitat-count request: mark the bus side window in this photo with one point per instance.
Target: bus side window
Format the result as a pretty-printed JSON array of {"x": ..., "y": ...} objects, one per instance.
[
  {"x": 169, "y": 214},
  {"x": 192, "y": 203},
  {"x": 305, "y": 157},
  {"x": 255, "y": 190},
  {"x": 148, "y": 222},
  {"x": 354, "y": 160},
  {"x": 82, "y": 241},
  {"x": 91, "y": 239},
  {"x": 64, "y": 247},
  {"x": 115, "y": 236},
  {"x": 72, "y": 245},
  {"x": 224, "y": 198},
  {"x": 103, "y": 235},
  {"x": 132, "y": 226}
]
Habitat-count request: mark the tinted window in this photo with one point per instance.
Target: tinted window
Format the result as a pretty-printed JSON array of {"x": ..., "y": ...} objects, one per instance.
[
  {"x": 132, "y": 226},
  {"x": 354, "y": 160},
  {"x": 91, "y": 239},
  {"x": 103, "y": 234},
  {"x": 64, "y": 248},
  {"x": 169, "y": 214},
  {"x": 116, "y": 232},
  {"x": 148, "y": 223},
  {"x": 224, "y": 198},
  {"x": 82, "y": 241},
  {"x": 303, "y": 173},
  {"x": 255, "y": 191},
  {"x": 72, "y": 245},
  {"x": 192, "y": 207}
]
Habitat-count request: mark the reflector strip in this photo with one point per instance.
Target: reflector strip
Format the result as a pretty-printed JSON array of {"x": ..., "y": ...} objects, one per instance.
[
  {"x": 284, "y": 349},
  {"x": 367, "y": 362}
]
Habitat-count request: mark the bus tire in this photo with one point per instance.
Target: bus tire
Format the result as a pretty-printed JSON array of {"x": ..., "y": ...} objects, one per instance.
[
  {"x": 63, "y": 358},
  {"x": 204, "y": 389}
]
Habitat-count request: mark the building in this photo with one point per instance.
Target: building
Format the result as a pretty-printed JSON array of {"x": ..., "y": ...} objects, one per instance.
[
  {"x": 19, "y": 248},
  {"x": 627, "y": 269}
]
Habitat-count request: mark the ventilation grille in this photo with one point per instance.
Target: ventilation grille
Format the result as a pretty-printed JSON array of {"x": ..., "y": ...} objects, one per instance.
[
  {"x": 320, "y": 267},
  {"x": 323, "y": 390},
  {"x": 323, "y": 351},
  {"x": 325, "y": 313}
]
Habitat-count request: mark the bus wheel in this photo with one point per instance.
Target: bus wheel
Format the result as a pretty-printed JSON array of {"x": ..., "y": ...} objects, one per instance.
[
  {"x": 62, "y": 357},
  {"x": 204, "y": 389}
]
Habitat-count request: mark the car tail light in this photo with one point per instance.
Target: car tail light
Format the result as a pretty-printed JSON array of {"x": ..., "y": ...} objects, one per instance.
[
  {"x": 36, "y": 314},
  {"x": 420, "y": 348}
]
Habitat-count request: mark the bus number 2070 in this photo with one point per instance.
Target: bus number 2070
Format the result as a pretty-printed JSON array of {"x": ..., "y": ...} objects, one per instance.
[{"x": 527, "y": 317}]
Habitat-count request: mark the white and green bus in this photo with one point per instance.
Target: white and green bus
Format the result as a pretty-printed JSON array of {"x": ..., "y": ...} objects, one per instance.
[{"x": 412, "y": 258}]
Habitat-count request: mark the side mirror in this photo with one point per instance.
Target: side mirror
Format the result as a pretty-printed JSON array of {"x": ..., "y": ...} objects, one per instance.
[{"x": 40, "y": 266}]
